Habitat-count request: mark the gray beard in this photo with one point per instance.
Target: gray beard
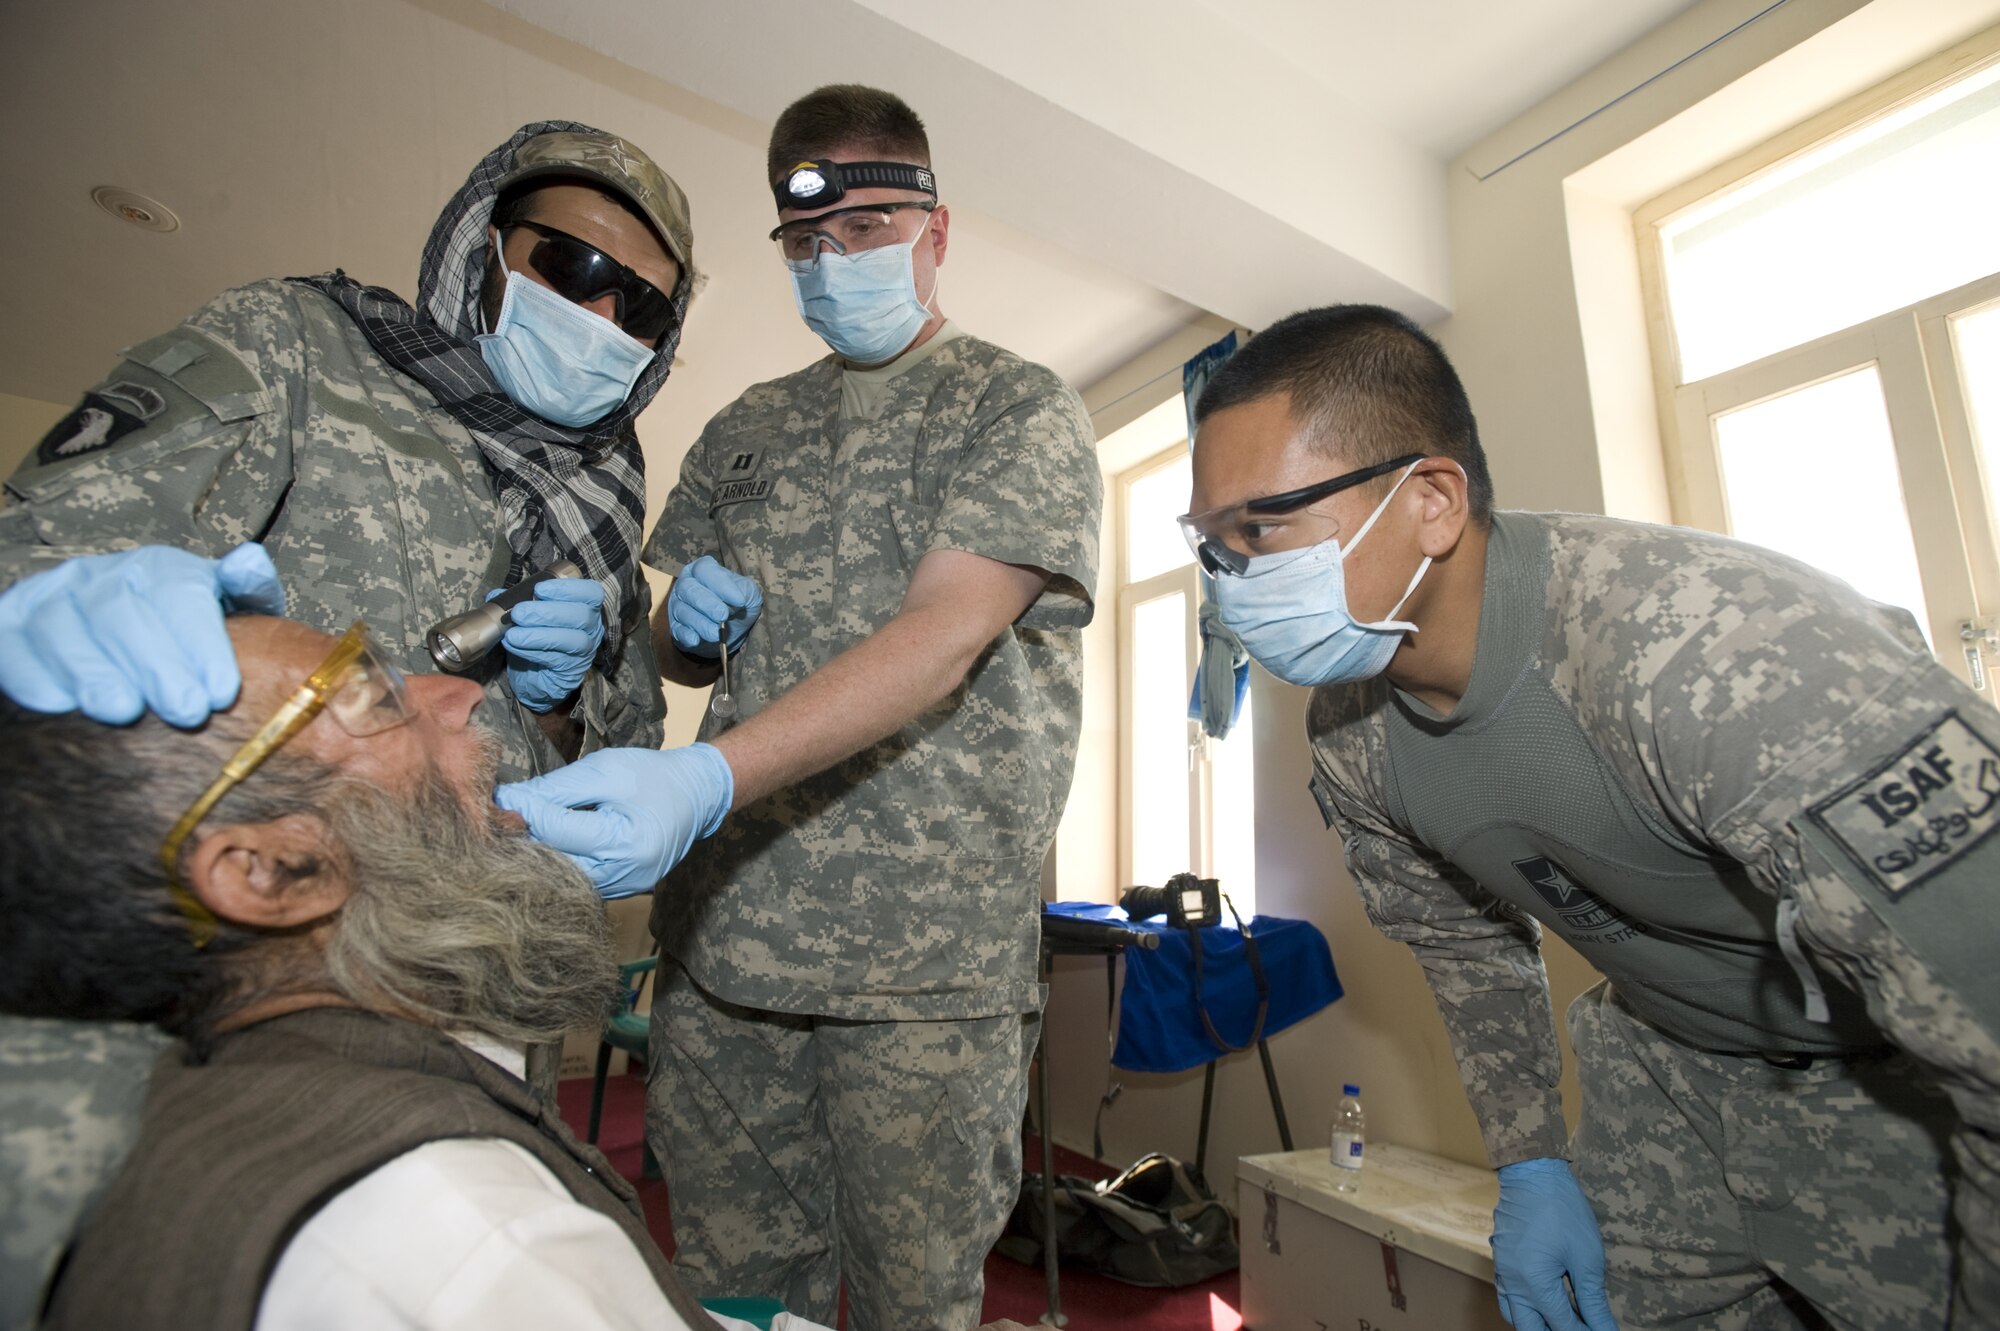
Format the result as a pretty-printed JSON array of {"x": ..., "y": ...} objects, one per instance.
[{"x": 465, "y": 925}]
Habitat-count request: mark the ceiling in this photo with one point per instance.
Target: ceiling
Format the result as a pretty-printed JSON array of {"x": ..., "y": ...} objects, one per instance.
[
  {"x": 1115, "y": 168},
  {"x": 1442, "y": 74}
]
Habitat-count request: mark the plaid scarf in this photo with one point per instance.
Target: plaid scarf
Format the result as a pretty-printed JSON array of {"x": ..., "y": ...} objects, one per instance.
[{"x": 564, "y": 493}]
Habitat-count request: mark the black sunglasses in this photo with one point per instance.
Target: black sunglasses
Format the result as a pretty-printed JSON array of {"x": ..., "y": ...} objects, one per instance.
[
  {"x": 1218, "y": 558},
  {"x": 580, "y": 272}
]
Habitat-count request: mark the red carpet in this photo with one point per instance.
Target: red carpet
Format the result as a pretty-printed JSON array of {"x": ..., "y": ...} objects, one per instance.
[{"x": 1089, "y": 1301}]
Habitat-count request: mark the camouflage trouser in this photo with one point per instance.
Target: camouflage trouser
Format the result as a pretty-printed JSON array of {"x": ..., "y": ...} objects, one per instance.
[
  {"x": 70, "y": 1096},
  {"x": 1739, "y": 1196},
  {"x": 800, "y": 1150}
]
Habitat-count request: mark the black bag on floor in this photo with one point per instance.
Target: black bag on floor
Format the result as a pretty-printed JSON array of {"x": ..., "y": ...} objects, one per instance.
[{"x": 1156, "y": 1224}]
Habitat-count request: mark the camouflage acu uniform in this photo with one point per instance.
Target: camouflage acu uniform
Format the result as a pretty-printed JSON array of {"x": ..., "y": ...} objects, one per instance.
[
  {"x": 1728, "y": 781},
  {"x": 838, "y": 1075},
  {"x": 268, "y": 416},
  {"x": 70, "y": 1095}
]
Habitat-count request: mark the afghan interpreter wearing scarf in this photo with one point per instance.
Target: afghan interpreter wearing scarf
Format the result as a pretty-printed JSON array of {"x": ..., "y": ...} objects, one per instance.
[{"x": 577, "y": 493}]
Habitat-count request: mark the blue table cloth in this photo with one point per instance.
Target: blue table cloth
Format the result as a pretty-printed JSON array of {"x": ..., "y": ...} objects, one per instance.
[{"x": 1159, "y": 1029}]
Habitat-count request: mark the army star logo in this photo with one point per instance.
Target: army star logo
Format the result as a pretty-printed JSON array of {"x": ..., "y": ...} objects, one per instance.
[{"x": 1582, "y": 911}]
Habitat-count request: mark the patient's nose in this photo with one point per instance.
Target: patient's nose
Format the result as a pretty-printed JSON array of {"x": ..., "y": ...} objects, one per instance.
[{"x": 448, "y": 698}]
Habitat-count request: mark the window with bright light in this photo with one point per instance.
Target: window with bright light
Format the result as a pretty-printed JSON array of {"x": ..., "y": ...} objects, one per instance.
[
  {"x": 1898, "y": 209},
  {"x": 1188, "y": 801},
  {"x": 1153, "y": 499},
  {"x": 1834, "y": 358},
  {"x": 1813, "y": 473},
  {"x": 1975, "y": 336}
]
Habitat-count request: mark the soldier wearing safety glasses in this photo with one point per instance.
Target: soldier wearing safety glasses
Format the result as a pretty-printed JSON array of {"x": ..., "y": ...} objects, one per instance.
[
  {"x": 1750, "y": 798},
  {"x": 383, "y": 462},
  {"x": 897, "y": 548}
]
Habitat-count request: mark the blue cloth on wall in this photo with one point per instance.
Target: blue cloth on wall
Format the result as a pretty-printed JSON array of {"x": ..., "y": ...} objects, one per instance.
[{"x": 1159, "y": 1029}]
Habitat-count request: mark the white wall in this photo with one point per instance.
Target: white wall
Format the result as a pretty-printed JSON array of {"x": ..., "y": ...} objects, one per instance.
[
  {"x": 23, "y": 422},
  {"x": 1556, "y": 364}
]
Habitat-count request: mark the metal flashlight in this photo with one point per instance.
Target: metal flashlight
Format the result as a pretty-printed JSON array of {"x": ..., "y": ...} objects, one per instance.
[{"x": 458, "y": 643}]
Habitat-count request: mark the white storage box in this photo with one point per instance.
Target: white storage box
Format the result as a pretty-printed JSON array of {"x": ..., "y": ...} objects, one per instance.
[{"x": 1407, "y": 1252}]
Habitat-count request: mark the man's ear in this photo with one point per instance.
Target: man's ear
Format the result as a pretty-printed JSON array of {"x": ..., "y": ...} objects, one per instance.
[
  {"x": 1445, "y": 506},
  {"x": 940, "y": 233},
  {"x": 273, "y": 875}
]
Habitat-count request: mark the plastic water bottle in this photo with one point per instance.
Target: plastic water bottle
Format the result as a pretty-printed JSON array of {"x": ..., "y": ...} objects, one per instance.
[{"x": 1350, "y": 1130}]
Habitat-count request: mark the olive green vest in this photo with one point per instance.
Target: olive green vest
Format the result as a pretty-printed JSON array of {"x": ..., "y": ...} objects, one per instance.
[{"x": 237, "y": 1153}]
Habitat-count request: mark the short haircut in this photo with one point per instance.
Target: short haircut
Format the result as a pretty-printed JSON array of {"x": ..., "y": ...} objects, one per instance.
[
  {"x": 1367, "y": 384},
  {"x": 847, "y": 116},
  {"x": 91, "y": 932}
]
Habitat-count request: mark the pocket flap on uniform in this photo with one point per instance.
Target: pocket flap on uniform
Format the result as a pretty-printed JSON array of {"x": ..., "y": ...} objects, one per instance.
[
  {"x": 1322, "y": 797},
  {"x": 206, "y": 370}
]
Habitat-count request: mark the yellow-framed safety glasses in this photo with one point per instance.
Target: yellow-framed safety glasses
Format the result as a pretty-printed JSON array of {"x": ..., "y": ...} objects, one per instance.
[{"x": 357, "y": 685}]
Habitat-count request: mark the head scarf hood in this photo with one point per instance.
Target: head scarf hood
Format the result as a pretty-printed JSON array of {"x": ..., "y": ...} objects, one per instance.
[{"x": 564, "y": 493}]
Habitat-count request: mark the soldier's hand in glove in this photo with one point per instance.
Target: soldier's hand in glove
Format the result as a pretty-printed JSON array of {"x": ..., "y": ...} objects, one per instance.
[
  {"x": 552, "y": 639},
  {"x": 115, "y": 634},
  {"x": 626, "y": 816},
  {"x": 1543, "y": 1230},
  {"x": 708, "y": 602}
]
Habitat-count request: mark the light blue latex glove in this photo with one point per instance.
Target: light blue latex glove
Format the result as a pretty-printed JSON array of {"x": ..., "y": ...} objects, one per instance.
[
  {"x": 552, "y": 640},
  {"x": 115, "y": 634},
  {"x": 707, "y": 600},
  {"x": 650, "y": 806},
  {"x": 1543, "y": 1229}
]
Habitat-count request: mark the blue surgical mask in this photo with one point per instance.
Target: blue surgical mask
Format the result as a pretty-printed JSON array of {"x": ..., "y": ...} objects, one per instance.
[
  {"x": 557, "y": 359},
  {"x": 863, "y": 305},
  {"x": 1290, "y": 611}
]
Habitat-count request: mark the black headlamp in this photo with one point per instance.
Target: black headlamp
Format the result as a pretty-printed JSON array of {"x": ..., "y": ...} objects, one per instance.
[{"x": 822, "y": 184}]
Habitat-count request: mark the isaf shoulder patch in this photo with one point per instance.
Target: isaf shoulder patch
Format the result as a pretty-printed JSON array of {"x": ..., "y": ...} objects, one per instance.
[
  {"x": 105, "y": 417},
  {"x": 1920, "y": 811}
]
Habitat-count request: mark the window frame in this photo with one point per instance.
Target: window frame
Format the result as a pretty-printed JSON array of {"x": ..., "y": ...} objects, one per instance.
[
  {"x": 1911, "y": 348},
  {"x": 1185, "y": 580},
  {"x": 1131, "y": 596},
  {"x": 1875, "y": 103}
]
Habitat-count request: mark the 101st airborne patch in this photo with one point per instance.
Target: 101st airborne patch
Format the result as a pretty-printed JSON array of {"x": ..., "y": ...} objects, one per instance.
[{"x": 105, "y": 416}]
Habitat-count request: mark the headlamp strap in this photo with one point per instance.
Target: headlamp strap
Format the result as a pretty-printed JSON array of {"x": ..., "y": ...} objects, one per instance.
[{"x": 818, "y": 184}]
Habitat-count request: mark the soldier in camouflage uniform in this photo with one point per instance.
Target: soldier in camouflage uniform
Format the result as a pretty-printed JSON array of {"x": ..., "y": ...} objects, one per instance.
[
  {"x": 849, "y": 999},
  {"x": 389, "y": 478},
  {"x": 1749, "y": 797}
]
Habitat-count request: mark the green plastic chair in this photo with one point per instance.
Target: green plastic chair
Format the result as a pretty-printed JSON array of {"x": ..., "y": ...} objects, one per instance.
[
  {"x": 758, "y": 1312},
  {"x": 627, "y": 1030}
]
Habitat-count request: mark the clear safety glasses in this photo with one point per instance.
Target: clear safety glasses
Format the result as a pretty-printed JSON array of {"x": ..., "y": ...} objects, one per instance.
[
  {"x": 1224, "y": 539},
  {"x": 357, "y": 685},
  {"x": 844, "y": 230}
]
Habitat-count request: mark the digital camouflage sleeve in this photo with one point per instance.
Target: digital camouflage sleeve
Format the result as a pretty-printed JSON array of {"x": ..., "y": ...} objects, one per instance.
[
  {"x": 70, "y": 1094},
  {"x": 266, "y": 416},
  {"x": 1772, "y": 717},
  {"x": 1814, "y": 738},
  {"x": 1480, "y": 956}
]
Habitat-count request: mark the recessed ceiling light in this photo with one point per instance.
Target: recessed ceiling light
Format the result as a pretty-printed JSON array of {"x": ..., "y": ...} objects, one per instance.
[{"x": 134, "y": 207}]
